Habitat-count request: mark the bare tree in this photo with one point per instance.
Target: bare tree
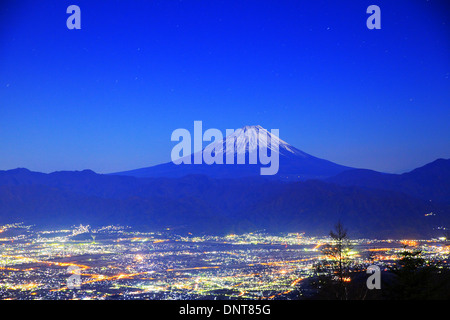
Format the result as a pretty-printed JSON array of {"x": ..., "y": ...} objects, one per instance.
[{"x": 334, "y": 270}]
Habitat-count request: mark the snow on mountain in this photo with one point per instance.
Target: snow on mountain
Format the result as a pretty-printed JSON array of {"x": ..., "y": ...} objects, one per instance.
[
  {"x": 294, "y": 164},
  {"x": 249, "y": 138}
]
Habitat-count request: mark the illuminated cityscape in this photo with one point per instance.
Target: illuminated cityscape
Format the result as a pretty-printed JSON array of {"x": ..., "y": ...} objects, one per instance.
[
  {"x": 117, "y": 262},
  {"x": 174, "y": 153}
]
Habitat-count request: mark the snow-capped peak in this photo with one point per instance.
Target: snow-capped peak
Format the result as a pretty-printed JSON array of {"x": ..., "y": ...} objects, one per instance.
[{"x": 249, "y": 138}]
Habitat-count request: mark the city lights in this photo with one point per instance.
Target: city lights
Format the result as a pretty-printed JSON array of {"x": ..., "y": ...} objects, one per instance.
[{"x": 117, "y": 262}]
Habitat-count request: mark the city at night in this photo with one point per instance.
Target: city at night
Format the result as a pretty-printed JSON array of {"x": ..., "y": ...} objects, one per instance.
[{"x": 224, "y": 158}]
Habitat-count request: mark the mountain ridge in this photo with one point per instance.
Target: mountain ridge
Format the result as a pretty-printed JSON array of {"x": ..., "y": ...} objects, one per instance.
[
  {"x": 294, "y": 164},
  {"x": 428, "y": 182},
  {"x": 209, "y": 205}
]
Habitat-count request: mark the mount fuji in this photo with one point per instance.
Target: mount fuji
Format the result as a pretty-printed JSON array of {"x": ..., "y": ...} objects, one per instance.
[{"x": 294, "y": 164}]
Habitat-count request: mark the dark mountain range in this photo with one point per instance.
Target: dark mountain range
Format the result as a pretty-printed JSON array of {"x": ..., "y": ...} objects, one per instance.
[
  {"x": 236, "y": 198},
  {"x": 201, "y": 204},
  {"x": 294, "y": 164},
  {"x": 430, "y": 182}
]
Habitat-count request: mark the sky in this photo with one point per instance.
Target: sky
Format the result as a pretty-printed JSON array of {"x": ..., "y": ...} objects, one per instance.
[{"x": 108, "y": 96}]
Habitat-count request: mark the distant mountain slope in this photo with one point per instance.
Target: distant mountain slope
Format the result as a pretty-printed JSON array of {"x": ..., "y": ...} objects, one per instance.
[
  {"x": 429, "y": 182},
  {"x": 49, "y": 207},
  {"x": 203, "y": 204},
  {"x": 294, "y": 164}
]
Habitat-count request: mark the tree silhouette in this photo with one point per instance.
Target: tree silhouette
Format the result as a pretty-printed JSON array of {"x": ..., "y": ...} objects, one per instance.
[
  {"x": 416, "y": 278},
  {"x": 333, "y": 272}
]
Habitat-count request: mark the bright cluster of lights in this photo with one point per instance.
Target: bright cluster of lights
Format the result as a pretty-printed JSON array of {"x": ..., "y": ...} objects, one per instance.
[{"x": 116, "y": 262}]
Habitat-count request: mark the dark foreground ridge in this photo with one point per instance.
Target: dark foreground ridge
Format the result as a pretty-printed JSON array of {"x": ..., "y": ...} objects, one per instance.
[{"x": 197, "y": 203}]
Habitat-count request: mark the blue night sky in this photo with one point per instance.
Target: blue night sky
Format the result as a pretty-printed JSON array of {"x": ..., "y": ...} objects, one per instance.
[{"x": 107, "y": 97}]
